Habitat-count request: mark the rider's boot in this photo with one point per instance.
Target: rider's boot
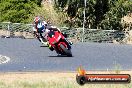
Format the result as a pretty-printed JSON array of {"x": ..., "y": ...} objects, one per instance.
[
  {"x": 70, "y": 42},
  {"x": 50, "y": 47},
  {"x": 41, "y": 40}
]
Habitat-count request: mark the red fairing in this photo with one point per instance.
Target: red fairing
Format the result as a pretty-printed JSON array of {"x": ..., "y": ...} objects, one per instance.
[
  {"x": 56, "y": 39},
  {"x": 59, "y": 43}
]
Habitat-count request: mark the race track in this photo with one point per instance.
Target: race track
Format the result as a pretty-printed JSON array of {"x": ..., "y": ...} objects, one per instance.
[{"x": 27, "y": 55}]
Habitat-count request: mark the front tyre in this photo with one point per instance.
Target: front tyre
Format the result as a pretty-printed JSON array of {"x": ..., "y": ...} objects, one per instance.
[{"x": 66, "y": 51}]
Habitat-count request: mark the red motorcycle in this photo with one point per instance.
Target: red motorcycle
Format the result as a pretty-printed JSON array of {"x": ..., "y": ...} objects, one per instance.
[{"x": 59, "y": 43}]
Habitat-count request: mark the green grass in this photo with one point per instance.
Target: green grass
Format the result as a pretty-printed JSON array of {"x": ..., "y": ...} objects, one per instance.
[
  {"x": 50, "y": 80},
  {"x": 59, "y": 84}
]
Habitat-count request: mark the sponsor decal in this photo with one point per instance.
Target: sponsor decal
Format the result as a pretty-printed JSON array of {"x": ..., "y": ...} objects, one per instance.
[{"x": 83, "y": 78}]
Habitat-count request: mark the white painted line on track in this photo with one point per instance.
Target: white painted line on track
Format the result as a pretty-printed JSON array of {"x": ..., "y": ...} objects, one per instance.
[{"x": 4, "y": 59}]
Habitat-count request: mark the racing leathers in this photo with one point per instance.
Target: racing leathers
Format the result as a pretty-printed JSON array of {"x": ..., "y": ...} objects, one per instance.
[{"x": 38, "y": 30}]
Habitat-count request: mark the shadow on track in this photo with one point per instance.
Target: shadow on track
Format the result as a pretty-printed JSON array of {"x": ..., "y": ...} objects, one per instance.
[
  {"x": 43, "y": 46},
  {"x": 60, "y": 56}
]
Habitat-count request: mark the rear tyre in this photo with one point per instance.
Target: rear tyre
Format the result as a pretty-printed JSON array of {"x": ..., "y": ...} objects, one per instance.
[{"x": 66, "y": 51}]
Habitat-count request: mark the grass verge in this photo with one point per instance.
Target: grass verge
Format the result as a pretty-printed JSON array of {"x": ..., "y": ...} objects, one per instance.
[{"x": 51, "y": 80}]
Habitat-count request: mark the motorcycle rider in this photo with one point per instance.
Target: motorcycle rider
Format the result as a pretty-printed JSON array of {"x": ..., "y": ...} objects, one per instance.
[
  {"x": 41, "y": 30},
  {"x": 54, "y": 28},
  {"x": 38, "y": 29}
]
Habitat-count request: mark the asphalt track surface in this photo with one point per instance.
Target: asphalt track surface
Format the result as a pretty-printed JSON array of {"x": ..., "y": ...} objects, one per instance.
[{"x": 27, "y": 55}]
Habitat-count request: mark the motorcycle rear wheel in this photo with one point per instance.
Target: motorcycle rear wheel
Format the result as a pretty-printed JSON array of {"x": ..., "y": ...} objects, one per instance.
[{"x": 66, "y": 51}]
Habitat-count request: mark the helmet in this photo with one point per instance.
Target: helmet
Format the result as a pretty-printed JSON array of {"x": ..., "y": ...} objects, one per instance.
[{"x": 36, "y": 19}]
